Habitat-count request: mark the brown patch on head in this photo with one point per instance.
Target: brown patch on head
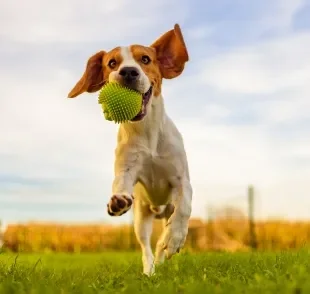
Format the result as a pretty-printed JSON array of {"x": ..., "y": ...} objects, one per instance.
[
  {"x": 98, "y": 68},
  {"x": 114, "y": 58},
  {"x": 151, "y": 69}
]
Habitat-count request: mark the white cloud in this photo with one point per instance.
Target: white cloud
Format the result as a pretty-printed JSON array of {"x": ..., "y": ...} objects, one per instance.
[
  {"x": 40, "y": 21},
  {"x": 199, "y": 32},
  {"x": 281, "y": 13},
  {"x": 216, "y": 112},
  {"x": 230, "y": 155},
  {"x": 292, "y": 106},
  {"x": 264, "y": 68}
]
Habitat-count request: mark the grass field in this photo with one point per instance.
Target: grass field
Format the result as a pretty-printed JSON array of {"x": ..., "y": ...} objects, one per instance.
[{"x": 186, "y": 273}]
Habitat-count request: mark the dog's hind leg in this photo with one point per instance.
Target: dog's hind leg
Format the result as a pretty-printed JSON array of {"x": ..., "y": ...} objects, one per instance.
[
  {"x": 143, "y": 225},
  {"x": 164, "y": 216}
]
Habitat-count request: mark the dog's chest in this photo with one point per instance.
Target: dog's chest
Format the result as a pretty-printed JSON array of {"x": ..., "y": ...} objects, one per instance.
[{"x": 153, "y": 181}]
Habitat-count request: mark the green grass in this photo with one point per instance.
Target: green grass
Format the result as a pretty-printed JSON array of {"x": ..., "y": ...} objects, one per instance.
[{"x": 184, "y": 273}]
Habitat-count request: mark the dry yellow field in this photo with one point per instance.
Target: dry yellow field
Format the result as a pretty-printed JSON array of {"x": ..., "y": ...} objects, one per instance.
[{"x": 225, "y": 235}]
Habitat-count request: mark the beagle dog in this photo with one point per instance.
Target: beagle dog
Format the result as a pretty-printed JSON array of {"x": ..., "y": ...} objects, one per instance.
[{"x": 151, "y": 169}]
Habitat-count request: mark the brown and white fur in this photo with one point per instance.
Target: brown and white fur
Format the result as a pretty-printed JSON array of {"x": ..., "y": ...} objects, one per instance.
[{"x": 151, "y": 168}]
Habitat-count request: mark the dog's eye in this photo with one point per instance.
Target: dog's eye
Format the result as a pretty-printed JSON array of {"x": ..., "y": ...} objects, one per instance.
[
  {"x": 145, "y": 59},
  {"x": 112, "y": 63}
]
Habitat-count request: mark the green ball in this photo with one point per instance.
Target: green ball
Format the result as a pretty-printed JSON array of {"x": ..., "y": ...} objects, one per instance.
[{"x": 119, "y": 103}]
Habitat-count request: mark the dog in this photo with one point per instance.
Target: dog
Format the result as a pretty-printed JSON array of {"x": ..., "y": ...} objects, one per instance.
[{"x": 151, "y": 168}]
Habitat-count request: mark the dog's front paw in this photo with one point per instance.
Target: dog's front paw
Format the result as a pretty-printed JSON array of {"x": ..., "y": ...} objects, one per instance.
[
  {"x": 174, "y": 238},
  {"x": 119, "y": 204}
]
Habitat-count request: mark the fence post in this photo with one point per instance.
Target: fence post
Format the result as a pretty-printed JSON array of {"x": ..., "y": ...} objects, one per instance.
[
  {"x": 210, "y": 232},
  {"x": 252, "y": 234}
]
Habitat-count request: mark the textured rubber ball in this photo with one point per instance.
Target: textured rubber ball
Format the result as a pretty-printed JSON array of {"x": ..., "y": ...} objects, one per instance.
[{"x": 119, "y": 103}]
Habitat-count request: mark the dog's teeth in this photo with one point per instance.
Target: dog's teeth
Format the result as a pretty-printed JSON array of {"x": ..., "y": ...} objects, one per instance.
[{"x": 143, "y": 110}]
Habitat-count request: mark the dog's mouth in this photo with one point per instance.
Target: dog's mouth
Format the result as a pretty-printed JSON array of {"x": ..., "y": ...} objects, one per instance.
[{"x": 145, "y": 101}]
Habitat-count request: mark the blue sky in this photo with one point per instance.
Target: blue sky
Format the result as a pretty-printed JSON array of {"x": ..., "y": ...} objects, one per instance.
[{"x": 242, "y": 103}]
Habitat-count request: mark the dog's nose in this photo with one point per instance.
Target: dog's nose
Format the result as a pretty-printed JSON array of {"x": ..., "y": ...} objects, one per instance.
[{"x": 129, "y": 73}]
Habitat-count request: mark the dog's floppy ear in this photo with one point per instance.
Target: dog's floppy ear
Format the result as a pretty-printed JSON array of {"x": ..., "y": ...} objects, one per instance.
[
  {"x": 92, "y": 79},
  {"x": 171, "y": 53}
]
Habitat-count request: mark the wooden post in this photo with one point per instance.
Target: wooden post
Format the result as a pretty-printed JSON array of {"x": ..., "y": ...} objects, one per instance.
[
  {"x": 209, "y": 227},
  {"x": 252, "y": 234}
]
